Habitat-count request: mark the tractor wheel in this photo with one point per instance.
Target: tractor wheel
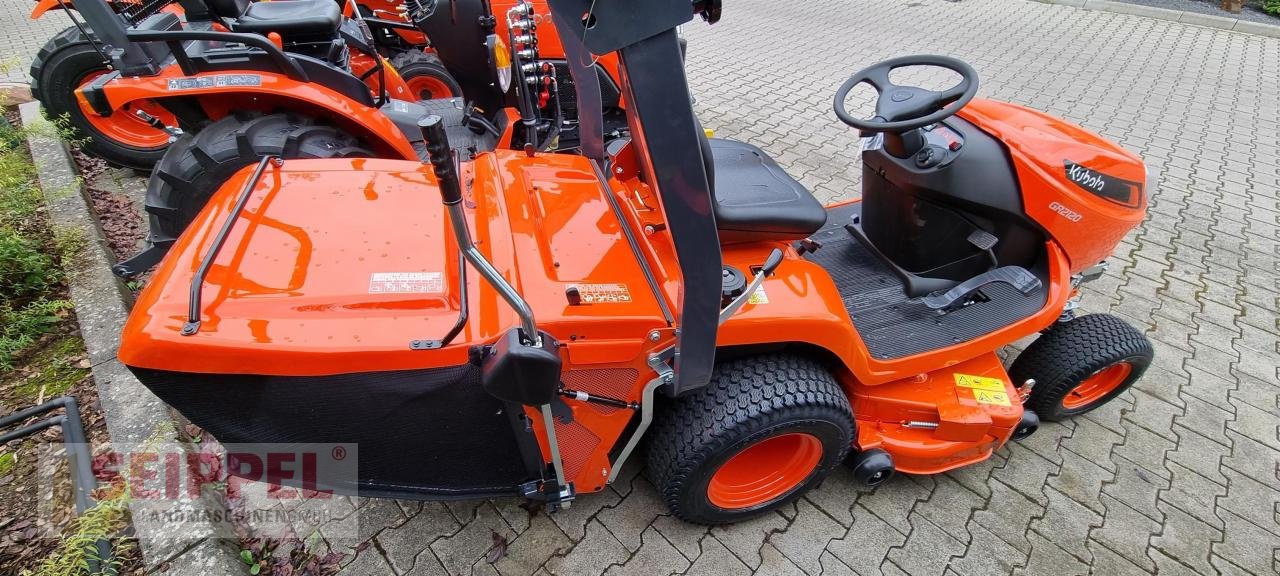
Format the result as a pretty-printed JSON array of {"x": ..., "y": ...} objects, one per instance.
[
  {"x": 68, "y": 62},
  {"x": 762, "y": 432},
  {"x": 426, "y": 75},
  {"x": 198, "y": 164},
  {"x": 1081, "y": 364}
]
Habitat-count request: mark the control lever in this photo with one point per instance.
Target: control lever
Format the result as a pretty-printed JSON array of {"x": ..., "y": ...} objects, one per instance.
[
  {"x": 445, "y": 166},
  {"x": 1016, "y": 276},
  {"x": 770, "y": 265}
]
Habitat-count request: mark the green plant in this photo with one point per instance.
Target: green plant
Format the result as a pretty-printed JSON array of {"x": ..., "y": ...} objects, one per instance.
[
  {"x": 105, "y": 521},
  {"x": 7, "y": 460},
  {"x": 1271, "y": 7},
  {"x": 19, "y": 328},
  {"x": 26, "y": 270}
]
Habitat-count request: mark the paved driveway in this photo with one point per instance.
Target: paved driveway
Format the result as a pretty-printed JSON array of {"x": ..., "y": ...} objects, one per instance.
[{"x": 1178, "y": 476}]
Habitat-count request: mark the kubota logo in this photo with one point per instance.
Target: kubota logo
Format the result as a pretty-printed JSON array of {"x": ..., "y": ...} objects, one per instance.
[
  {"x": 1065, "y": 212},
  {"x": 1085, "y": 177}
]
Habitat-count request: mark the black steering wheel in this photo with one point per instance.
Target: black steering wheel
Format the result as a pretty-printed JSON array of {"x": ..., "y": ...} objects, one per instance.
[{"x": 902, "y": 108}]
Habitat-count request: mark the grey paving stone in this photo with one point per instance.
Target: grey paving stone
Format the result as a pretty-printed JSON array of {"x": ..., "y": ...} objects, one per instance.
[
  {"x": 807, "y": 536},
  {"x": 656, "y": 557},
  {"x": 589, "y": 557},
  {"x": 1186, "y": 539},
  {"x": 1245, "y": 545},
  {"x": 573, "y": 520},
  {"x": 716, "y": 560},
  {"x": 460, "y": 550},
  {"x": 774, "y": 562},
  {"x": 950, "y": 507},
  {"x": 1136, "y": 487},
  {"x": 1081, "y": 480},
  {"x": 405, "y": 543},
  {"x": 533, "y": 547},
  {"x": 1126, "y": 532},
  {"x": 893, "y": 500},
  {"x": 987, "y": 554},
  {"x": 1047, "y": 558},
  {"x": 1008, "y": 514},
  {"x": 1067, "y": 524},
  {"x": 928, "y": 548},
  {"x": 744, "y": 538},
  {"x": 633, "y": 514},
  {"x": 867, "y": 542},
  {"x": 685, "y": 536}
]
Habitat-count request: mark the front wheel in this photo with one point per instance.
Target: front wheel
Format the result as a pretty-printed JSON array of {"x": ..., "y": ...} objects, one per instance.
[
  {"x": 761, "y": 433},
  {"x": 1081, "y": 364}
]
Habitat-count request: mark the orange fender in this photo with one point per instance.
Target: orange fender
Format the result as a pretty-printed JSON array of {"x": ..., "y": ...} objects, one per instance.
[
  {"x": 43, "y": 6},
  {"x": 263, "y": 91}
]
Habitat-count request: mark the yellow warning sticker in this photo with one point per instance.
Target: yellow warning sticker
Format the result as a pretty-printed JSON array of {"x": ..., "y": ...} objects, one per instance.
[
  {"x": 758, "y": 297},
  {"x": 985, "y": 390},
  {"x": 979, "y": 382},
  {"x": 989, "y": 397}
]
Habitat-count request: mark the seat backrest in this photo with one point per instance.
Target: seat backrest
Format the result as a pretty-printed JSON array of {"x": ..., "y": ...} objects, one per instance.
[{"x": 228, "y": 8}]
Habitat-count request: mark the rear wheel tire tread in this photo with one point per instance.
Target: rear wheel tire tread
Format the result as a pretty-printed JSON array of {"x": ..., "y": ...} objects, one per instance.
[
  {"x": 746, "y": 397},
  {"x": 197, "y": 164}
]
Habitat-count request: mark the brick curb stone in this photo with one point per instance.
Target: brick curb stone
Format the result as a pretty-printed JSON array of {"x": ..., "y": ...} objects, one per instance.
[
  {"x": 132, "y": 412},
  {"x": 1195, "y": 18}
]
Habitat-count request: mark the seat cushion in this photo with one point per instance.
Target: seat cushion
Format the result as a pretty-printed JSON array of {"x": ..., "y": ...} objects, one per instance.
[
  {"x": 310, "y": 17},
  {"x": 755, "y": 198}
]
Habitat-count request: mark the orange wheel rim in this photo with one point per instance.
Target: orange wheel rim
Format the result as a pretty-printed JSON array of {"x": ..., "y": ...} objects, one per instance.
[
  {"x": 765, "y": 471},
  {"x": 123, "y": 125},
  {"x": 1097, "y": 386},
  {"x": 428, "y": 87}
]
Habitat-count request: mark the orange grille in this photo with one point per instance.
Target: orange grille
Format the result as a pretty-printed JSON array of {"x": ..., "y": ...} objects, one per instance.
[
  {"x": 576, "y": 445},
  {"x": 610, "y": 382}
]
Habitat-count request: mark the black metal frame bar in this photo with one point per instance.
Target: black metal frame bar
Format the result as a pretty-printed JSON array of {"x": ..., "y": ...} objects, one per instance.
[
  {"x": 175, "y": 38},
  {"x": 77, "y": 445},
  {"x": 192, "y": 325},
  {"x": 462, "y": 312}
]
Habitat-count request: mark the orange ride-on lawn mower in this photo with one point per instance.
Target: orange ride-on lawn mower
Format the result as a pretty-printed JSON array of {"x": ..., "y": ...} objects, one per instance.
[{"x": 556, "y": 311}]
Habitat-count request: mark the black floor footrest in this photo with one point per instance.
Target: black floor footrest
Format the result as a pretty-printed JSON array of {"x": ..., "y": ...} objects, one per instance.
[{"x": 1020, "y": 278}]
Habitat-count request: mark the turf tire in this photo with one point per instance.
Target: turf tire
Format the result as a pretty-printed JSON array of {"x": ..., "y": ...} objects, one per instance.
[
  {"x": 748, "y": 400},
  {"x": 1070, "y": 352},
  {"x": 196, "y": 165}
]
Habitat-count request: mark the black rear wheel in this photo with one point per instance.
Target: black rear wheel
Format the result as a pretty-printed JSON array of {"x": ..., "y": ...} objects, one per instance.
[
  {"x": 762, "y": 432},
  {"x": 69, "y": 61},
  {"x": 1081, "y": 364},
  {"x": 198, "y": 164}
]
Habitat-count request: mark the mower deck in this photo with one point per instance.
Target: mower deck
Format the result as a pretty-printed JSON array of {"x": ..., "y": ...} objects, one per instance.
[{"x": 893, "y": 325}]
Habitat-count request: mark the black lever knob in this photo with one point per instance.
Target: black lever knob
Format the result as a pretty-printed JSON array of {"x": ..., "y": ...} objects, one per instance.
[{"x": 441, "y": 157}]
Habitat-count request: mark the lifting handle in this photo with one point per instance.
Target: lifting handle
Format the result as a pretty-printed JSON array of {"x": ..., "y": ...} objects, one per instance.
[
  {"x": 441, "y": 157},
  {"x": 446, "y": 169}
]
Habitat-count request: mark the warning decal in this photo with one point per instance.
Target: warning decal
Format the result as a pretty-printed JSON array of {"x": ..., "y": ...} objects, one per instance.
[
  {"x": 985, "y": 390},
  {"x": 406, "y": 283},
  {"x": 604, "y": 293},
  {"x": 758, "y": 297}
]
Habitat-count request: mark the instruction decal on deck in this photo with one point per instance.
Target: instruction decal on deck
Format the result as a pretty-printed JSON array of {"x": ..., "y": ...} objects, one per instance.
[
  {"x": 758, "y": 297},
  {"x": 217, "y": 81},
  {"x": 604, "y": 293},
  {"x": 406, "y": 283},
  {"x": 985, "y": 390}
]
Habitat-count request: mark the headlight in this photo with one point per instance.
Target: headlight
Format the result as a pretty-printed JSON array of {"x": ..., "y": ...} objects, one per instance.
[{"x": 500, "y": 58}]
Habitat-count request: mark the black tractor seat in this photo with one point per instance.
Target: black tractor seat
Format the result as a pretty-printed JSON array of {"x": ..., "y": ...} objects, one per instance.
[
  {"x": 290, "y": 17},
  {"x": 756, "y": 200}
]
